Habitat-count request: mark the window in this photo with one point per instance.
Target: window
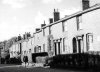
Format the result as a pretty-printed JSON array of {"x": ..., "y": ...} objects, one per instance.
[
  {"x": 89, "y": 41},
  {"x": 49, "y": 29},
  {"x": 39, "y": 48},
  {"x": 29, "y": 50},
  {"x": 43, "y": 32},
  {"x": 31, "y": 41},
  {"x": 63, "y": 44},
  {"x": 49, "y": 43},
  {"x": 12, "y": 53},
  {"x": 24, "y": 52},
  {"x": 20, "y": 48},
  {"x": 43, "y": 47},
  {"x": 64, "y": 26},
  {"x": 79, "y": 22},
  {"x": 35, "y": 49}
]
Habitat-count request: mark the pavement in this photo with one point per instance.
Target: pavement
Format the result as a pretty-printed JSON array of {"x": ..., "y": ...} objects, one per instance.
[
  {"x": 28, "y": 65},
  {"x": 8, "y": 65},
  {"x": 34, "y": 69},
  {"x": 33, "y": 65}
]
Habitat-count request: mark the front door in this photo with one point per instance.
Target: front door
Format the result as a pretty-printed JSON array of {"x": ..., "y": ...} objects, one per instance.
[
  {"x": 74, "y": 45},
  {"x": 58, "y": 47},
  {"x": 55, "y": 48},
  {"x": 80, "y": 44}
]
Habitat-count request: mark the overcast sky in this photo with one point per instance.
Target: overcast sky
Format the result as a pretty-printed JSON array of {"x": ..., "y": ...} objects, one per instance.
[{"x": 20, "y": 16}]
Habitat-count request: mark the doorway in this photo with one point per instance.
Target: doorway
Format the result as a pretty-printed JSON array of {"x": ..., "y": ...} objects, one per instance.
[
  {"x": 74, "y": 45},
  {"x": 80, "y": 43},
  {"x": 57, "y": 48},
  {"x": 79, "y": 46}
]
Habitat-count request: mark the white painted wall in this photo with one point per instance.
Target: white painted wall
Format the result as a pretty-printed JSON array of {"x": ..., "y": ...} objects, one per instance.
[
  {"x": 14, "y": 49},
  {"x": 45, "y": 38},
  {"x": 56, "y": 30},
  {"x": 91, "y": 24}
]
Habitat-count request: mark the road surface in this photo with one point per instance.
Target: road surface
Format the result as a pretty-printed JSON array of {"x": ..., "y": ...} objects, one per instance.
[{"x": 17, "y": 68}]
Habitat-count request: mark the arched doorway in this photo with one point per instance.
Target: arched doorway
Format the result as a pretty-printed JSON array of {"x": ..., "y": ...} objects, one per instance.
[{"x": 74, "y": 45}]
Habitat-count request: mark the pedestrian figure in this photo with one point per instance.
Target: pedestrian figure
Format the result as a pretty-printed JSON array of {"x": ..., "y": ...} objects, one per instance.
[{"x": 25, "y": 59}]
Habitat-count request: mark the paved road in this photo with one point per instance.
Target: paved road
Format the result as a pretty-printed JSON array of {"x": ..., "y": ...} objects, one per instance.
[{"x": 16, "y": 68}]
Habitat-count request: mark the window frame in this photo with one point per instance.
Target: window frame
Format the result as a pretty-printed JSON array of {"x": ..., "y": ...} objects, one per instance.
[
  {"x": 39, "y": 48},
  {"x": 64, "y": 26},
  {"x": 43, "y": 32},
  {"x": 79, "y": 22},
  {"x": 64, "y": 44},
  {"x": 87, "y": 39},
  {"x": 49, "y": 30},
  {"x": 44, "y": 47}
]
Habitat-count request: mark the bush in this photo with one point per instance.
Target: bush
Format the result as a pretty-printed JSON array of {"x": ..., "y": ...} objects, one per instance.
[
  {"x": 34, "y": 55},
  {"x": 2, "y": 60},
  {"x": 15, "y": 61}
]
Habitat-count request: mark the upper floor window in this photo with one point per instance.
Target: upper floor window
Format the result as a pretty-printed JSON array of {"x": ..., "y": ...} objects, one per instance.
[
  {"x": 64, "y": 26},
  {"x": 29, "y": 50},
  {"x": 24, "y": 52},
  {"x": 79, "y": 22},
  {"x": 49, "y": 29},
  {"x": 44, "y": 47},
  {"x": 35, "y": 49},
  {"x": 43, "y": 32}
]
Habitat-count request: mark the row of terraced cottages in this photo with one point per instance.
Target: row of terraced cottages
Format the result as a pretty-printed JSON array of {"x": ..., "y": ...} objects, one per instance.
[{"x": 76, "y": 33}]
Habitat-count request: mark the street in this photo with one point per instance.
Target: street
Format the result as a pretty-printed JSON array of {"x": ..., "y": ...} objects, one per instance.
[{"x": 17, "y": 68}]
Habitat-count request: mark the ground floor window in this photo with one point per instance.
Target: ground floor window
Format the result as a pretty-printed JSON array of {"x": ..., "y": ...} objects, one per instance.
[
  {"x": 39, "y": 48},
  {"x": 43, "y": 47},
  {"x": 64, "y": 44},
  {"x": 89, "y": 38}
]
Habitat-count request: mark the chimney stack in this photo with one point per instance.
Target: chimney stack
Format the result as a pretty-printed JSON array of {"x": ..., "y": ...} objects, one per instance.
[
  {"x": 25, "y": 36},
  {"x": 42, "y": 25},
  {"x": 50, "y": 20},
  {"x": 85, "y": 4},
  {"x": 19, "y": 37},
  {"x": 56, "y": 15},
  {"x": 28, "y": 34}
]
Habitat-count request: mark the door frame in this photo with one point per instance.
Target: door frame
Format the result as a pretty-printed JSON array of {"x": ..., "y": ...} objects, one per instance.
[{"x": 80, "y": 40}]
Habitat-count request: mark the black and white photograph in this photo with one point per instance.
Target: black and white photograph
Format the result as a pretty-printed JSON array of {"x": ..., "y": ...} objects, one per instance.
[{"x": 49, "y": 35}]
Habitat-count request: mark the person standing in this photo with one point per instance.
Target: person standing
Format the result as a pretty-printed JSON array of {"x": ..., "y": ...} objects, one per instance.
[{"x": 25, "y": 59}]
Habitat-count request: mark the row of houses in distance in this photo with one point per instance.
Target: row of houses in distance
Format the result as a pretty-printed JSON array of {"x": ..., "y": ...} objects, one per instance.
[{"x": 76, "y": 33}]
